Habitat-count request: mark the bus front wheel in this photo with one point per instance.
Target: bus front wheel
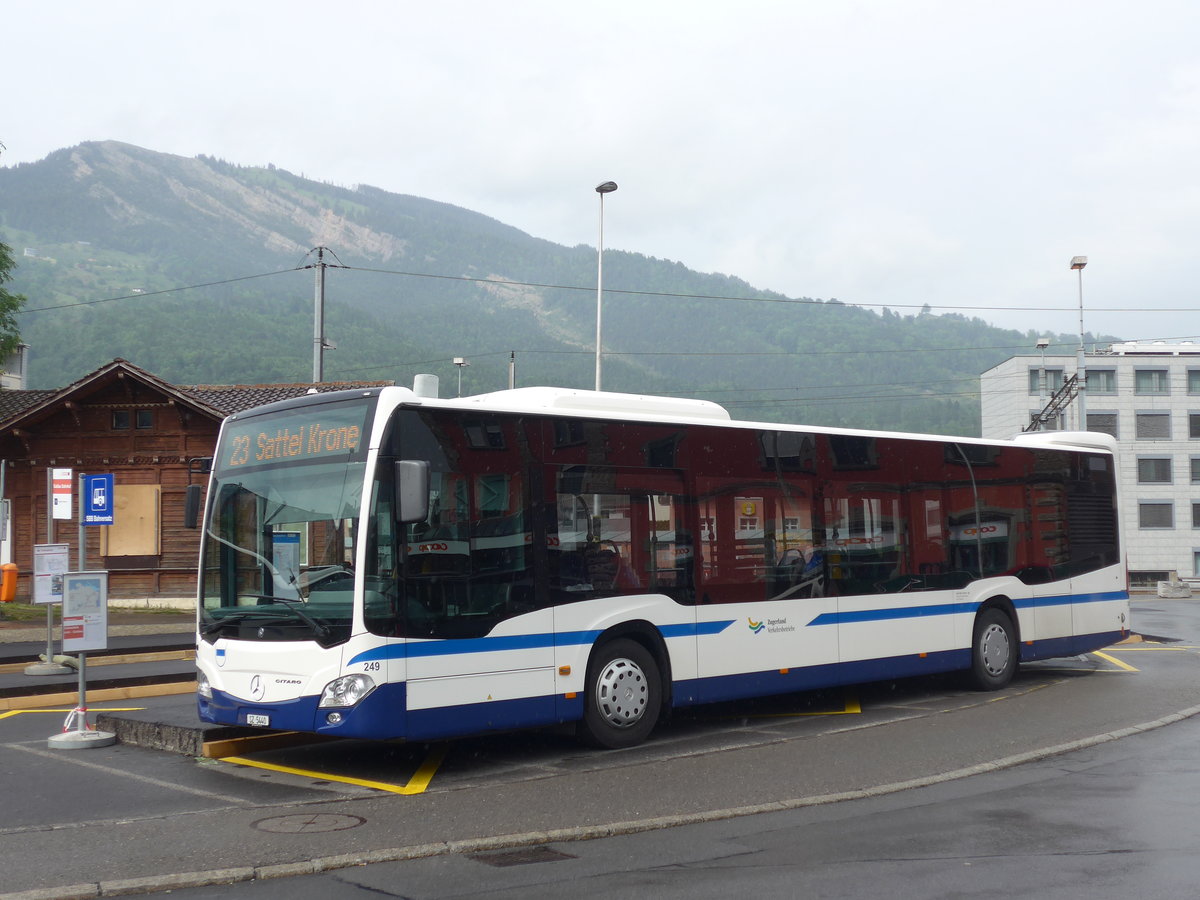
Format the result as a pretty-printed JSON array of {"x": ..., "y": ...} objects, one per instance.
[
  {"x": 624, "y": 695},
  {"x": 993, "y": 650}
]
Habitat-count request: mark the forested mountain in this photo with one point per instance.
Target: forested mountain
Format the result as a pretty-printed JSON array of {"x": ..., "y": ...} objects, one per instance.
[{"x": 105, "y": 233}]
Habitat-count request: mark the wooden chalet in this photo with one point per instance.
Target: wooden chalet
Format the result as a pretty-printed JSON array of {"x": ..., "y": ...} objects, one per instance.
[{"x": 146, "y": 432}]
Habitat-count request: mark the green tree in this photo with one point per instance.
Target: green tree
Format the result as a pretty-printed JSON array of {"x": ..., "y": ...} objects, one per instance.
[{"x": 10, "y": 305}]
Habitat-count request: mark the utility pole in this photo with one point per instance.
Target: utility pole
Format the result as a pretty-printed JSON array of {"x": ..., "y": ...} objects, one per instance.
[
  {"x": 319, "y": 320},
  {"x": 1078, "y": 263},
  {"x": 320, "y": 345}
]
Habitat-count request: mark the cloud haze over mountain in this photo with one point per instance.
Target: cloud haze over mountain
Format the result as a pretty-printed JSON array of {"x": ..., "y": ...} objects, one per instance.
[{"x": 884, "y": 154}]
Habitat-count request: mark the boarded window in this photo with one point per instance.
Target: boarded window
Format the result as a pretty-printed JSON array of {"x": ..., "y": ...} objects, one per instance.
[{"x": 135, "y": 528}]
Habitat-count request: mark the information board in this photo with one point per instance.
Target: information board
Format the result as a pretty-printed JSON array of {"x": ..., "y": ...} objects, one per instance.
[
  {"x": 85, "y": 611},
  {"x": 50, "y": 562}
]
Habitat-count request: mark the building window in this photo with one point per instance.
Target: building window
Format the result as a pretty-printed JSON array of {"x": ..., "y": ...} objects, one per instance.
[
  {"x": 1054, "y": 380},
  {"x": 1156, "y": 515},
  {"x": 1154, "y": 470},
  {"x": 1193, "y": 381},
  {"x": 1194, "y": 426},
  {"x": 1154, "y": 426},
  {"x": 1150, "y": 381},
  {"x": 1147, "y": 579},
  {"x": 1195, "y": 515},
  {"x": 124, "y": 419},
  {"x": 1195, "y": 461},
  {"x": 1054, "y": 423},
  {"x": 1106, "y": 423},
  {"x": 1101, "y": 381}
]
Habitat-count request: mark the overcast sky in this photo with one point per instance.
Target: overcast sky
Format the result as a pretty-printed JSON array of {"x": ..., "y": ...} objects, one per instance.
[{"x": 889, "y": 153}]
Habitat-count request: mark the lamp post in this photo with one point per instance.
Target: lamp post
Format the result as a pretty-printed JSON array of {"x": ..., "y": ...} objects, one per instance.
[
  {"x": 1042, "y": 344},
  {"x": 460, "y": 363},
  {"x": 1077, "y": 263},
  {"x": 606, "y": 188}
]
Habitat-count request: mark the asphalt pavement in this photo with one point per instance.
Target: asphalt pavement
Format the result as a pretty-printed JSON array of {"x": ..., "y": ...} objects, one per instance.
[{"x": 126, "y": 819}]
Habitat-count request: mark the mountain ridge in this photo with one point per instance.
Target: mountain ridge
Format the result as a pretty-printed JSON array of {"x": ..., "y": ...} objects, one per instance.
[{"x": 426, "y": 281}]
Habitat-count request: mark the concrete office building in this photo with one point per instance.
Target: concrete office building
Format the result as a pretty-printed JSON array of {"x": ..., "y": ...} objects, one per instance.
[{"x": 1146, "y": 395}]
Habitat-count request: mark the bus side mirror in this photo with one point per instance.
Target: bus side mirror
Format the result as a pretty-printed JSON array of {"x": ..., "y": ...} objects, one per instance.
[
  {"x": 412, "y": 490},
  {"x": 191, "y": 506}
]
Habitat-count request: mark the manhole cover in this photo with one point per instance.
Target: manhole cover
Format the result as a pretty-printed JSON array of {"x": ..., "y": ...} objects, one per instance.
[{"x": 305, "y": 824}]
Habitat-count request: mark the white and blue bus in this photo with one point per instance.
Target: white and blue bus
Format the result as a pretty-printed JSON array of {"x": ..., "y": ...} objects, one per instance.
[{"x": 381, "y": 564}]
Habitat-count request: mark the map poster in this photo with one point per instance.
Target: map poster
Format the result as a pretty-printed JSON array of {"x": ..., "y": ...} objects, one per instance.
[{"x": 85, "y": 611}]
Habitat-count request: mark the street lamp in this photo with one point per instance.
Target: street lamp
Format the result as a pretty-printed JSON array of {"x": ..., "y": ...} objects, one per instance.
[
  {"x": 606, "y": 188},
  {"x": 1042, "y": 344},
  {"x": 460, "y": 362},
  {"x": 1077, "y": 263}
]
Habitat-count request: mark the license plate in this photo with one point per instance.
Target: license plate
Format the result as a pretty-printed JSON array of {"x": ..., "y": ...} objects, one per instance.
[{"x": 256, "y": 719}]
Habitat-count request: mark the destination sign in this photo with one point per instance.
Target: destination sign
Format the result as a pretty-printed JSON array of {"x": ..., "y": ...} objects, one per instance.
[{"x": 330, "y": 430}]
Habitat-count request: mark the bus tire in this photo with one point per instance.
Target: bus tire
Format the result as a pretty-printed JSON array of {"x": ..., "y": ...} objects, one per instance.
[
  {"x": 623, "y": 695},
  {"x": 993, "y": 650}
]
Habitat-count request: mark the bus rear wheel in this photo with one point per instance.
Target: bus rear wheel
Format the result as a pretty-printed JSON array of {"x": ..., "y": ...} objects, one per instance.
[
  {"x": 624, "y": 695},
  {"x": 993, "y": 650}
]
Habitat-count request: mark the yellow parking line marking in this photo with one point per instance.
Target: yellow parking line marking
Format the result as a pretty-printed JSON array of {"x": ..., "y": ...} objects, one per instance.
[
  {"x": 420, "y": 781},
  {"x": 1116, "y": 662},
  {"x": 271, "y": 740},
  {"x": 416, "y": 785}
]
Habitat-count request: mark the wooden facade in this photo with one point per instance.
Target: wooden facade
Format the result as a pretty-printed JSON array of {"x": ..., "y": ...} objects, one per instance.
[{"x": 147, "y": 433}]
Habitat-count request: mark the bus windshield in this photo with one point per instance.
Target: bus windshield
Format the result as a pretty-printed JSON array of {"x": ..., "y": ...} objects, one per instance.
[{"x": 282, "y": 527}]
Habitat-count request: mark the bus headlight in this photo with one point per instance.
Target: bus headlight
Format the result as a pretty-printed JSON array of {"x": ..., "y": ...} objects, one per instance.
[
  {"x": 203, "y": 688},
  {"x": 348, "y": 690}
]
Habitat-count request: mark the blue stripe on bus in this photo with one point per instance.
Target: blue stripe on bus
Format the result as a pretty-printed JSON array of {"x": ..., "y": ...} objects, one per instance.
[
  {"x": 952, "y": 609},
  {"x": 520, "y": 642}
]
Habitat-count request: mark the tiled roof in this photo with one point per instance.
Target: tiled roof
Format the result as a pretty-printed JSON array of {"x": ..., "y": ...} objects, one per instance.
[
  {"x": 14, "y": 402},
  {"x": 217, "y": 400},
  {"x": 233, "y": 398}
]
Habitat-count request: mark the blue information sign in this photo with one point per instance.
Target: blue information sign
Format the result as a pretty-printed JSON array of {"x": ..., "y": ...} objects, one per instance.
[{"x": 97, "y": 499}]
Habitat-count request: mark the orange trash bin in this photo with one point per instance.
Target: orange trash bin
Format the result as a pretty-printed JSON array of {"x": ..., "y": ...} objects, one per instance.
[{"x": 8, "y": 582}]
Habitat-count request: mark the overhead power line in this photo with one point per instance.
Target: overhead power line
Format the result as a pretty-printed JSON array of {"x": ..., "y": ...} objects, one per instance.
[
  {"x": 608, "y": 290},
  {"x": 756, "y": 299},
  {"x": 141, "y": 295}
]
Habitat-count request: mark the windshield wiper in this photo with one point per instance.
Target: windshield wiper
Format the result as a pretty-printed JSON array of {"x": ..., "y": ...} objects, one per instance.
[
  {"x": 320, "y": 629},
  {"x": 229, "y": 618}
]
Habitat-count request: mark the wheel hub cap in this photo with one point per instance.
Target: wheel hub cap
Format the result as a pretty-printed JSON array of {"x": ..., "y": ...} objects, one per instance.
[
  {"x": 622, "y": 693},
  {"x": 995, "y": 650}
]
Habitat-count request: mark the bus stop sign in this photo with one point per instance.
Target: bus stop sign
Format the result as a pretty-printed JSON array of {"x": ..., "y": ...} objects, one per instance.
[{"x": 97, "y": 499}]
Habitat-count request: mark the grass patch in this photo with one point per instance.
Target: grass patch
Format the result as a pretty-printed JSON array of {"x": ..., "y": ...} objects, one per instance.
[
  {"x": 27, "y": 612},
  {"x": 36, "y": 612}
]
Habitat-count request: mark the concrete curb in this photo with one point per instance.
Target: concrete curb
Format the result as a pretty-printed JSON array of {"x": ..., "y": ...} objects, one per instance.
[{"x": 178, "y": 881}]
